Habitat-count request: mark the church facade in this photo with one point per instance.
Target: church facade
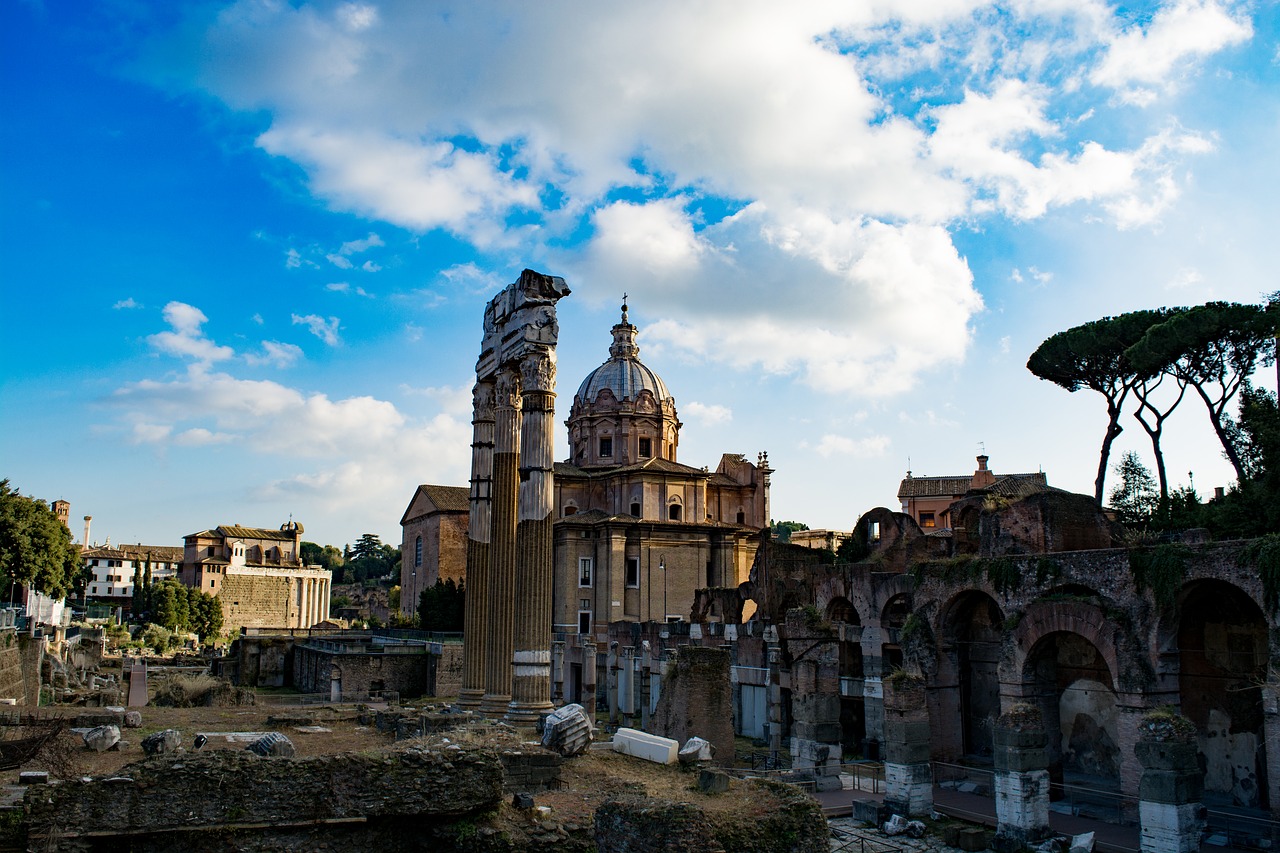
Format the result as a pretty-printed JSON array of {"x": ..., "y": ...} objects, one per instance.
[{"x": 638, "y": 532}]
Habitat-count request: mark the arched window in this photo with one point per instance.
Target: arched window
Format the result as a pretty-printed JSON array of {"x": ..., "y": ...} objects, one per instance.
[
  {"x": 635, "y": 508},
  {"x": 673, "y": 512},
  {"x": 417, "y": 552}
]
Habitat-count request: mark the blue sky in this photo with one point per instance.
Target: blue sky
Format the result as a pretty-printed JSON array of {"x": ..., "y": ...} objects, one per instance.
[{"x": 247, "y": 245}]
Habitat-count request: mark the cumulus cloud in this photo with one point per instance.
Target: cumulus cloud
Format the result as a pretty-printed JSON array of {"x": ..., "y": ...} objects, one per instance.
[
  {"x": 1142, "y": 60},
  {"x": 126, "y": 303},
  {"x": 723, "y": 155},
  {"x": 186, "y": 337},
  {"x": 707, "y": 414},
  {"x": 325, "y": 330}
]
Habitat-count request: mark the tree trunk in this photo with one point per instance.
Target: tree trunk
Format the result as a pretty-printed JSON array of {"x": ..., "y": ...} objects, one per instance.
[
  {"x": 1228, "y": 446},
  {"x": 1113, "y": 430}
]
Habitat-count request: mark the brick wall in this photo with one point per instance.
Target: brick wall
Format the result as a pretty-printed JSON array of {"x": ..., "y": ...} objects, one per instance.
[
  {"x": 20, "y": 659},
  {"x": 697, "y": 700}
]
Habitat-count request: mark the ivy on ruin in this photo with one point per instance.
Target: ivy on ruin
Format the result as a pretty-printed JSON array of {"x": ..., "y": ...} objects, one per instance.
[
  {"x": 1263, "y": 555},
  {"x": 1161, "y": 569}
]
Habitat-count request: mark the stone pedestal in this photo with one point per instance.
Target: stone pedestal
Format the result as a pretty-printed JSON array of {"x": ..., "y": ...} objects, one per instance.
[
  {"x": 1021, "y": 777},
  {"x": 907, "y": 774},
  {"x": 1169, "y": 809}
]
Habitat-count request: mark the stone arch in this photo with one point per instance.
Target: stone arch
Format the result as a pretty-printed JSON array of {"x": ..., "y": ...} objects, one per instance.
[
  {"x": 969, "y": 632},
  {"x": 1219, "y": 640},
  {"x": 1042, "y": 618},
  {"x": 1068, "y": 676}
]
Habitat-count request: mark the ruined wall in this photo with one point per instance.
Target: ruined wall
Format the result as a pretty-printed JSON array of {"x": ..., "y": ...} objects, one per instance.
[
  {"x": 20, "y": 662},
  {"x": 360, "y": 674},
  {"x": 184, "y": 802},
  {"x": 261, "y": 661},
  {"x": 449, "y": 670},
  {"x": 257, "y": 601},
  {"x": 697, "y": 700}
]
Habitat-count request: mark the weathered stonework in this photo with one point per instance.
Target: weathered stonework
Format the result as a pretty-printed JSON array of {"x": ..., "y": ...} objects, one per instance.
[{"x": 696, "y": 701}]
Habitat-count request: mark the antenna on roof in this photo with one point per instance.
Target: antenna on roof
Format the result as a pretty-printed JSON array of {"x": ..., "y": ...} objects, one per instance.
[
  {"x": 908, "y": 466},
  {"x": 982, "y": 447}
]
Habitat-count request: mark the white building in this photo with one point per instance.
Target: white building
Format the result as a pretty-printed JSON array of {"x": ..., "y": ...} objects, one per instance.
[{"x": 114, "y": 568}]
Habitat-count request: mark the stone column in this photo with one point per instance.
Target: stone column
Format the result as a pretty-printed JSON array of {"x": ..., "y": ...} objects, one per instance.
[
  {"x": 1021, "y": 778},
  {"x": 627, "y": 683},
  {"x": 589, "y": 677},
  {"x": 475, "y": 603},
  {"x": 558, "y": 673},
  {"x": 815, "y": 700},
  {"x": 1169, "y": 809},
  {"x": 531, "y": 684},
  {"x": 907, "y": 775},
  {"x": 613, "y": 663},
  {"x": 646, "y": 684},
  {"x": 773, "y": 699},
  {"x": 500, "y": 615}
]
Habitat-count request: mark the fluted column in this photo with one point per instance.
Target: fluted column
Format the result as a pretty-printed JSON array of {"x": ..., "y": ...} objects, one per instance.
[
  {"x": 500, "y": 644},
  {"x": 531, "y": 682},
  {"x": 475, "y": 617}
]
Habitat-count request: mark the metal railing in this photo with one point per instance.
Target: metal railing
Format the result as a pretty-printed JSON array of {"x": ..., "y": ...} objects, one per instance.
[
  {"x": 1236, "y": 831},
  {"x": 288, "y": 700},
  {"x": 1094, "y": 803},
  {"x": 850, "y": 841},
  {"x": 868, "y": 776},
  {"x": 964, "y": 779}
]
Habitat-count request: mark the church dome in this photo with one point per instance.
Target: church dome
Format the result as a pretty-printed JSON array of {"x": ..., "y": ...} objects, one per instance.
[{"x": 623, "y": 374}]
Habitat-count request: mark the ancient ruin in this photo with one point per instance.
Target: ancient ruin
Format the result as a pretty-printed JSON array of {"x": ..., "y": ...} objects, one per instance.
[{"x": 507, "y": 668}]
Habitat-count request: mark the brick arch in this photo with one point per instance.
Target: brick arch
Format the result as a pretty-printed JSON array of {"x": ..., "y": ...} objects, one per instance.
[
  {"x": 895, "y": 586},
  {"x": 1041, "y": 619}
]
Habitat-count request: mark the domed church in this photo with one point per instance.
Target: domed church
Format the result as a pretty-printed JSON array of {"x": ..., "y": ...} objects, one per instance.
[{"x": 637, "y": 531}]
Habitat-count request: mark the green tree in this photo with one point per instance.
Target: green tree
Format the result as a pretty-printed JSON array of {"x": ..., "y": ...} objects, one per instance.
[
  {"x": 1134, "y": 498},
  {"x": 1213, "y": 348},
  {"x": 1093, "y": 356},
  {"x": 326, "y": 556},
  {"x": 782, "y": 530},
  {"x": 441, "y": 607},
  {"x": 170, "y": 608},
  {"x": 206, "y": 614},
  {"x": 368, "y": 545},
  {"x": 35, "y": 547}
]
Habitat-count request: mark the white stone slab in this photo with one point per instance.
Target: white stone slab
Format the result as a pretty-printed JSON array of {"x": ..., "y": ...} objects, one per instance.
[{"x": 638, "y": 744}]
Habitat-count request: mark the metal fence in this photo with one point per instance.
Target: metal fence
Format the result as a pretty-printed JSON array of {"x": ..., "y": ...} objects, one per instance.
[
  {"x": 964, "y": 779},
  {"x": 290, "y": 700},
  {"x": 851, "y": 841},
  {"x": 1226, "y": 830}
]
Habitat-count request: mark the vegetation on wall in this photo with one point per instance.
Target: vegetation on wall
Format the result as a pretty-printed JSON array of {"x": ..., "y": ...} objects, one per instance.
[
  {"x": 1263, "y": 556},
  {"x": 1004, "y": 574},
  {"x": 1162, "y": 569}
]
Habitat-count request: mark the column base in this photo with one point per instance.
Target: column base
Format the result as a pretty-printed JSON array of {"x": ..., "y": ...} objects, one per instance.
[
  {"x": 527, "y": 713},
  {"x": 494, "y": 705},
  {"x": 469, "y": 699}
]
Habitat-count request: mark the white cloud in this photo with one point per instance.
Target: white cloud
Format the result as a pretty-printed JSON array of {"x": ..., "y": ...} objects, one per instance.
[
  {"x": 126, "y": 303},
  {"x": 338, "y": 286},
  {"x": 275, "y": 354},
  {"x": 1158, "y": 55},
  {"x": 860, "y": 448},
  {"x": 325, "y": 330},
  {"x": 186, "y": 338},
  {"x": 774, "y": 184},
  {"x": 707, "y": 414},
  {"x": 1184, "y": 278},
  {"x": 355, "y": 247},
  {"x": 201, "y": 437}
]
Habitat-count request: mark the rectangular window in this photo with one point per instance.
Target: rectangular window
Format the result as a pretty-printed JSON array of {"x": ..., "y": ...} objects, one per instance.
[
  {"x": 584, "y": 571},
  {"x": 926, "y": 519},
  {"x": 633, "y": 571},
  {"x": 646, "y": 448},
  {"x": 584, "y": 622},
  {"x": 606, "y": 446}
]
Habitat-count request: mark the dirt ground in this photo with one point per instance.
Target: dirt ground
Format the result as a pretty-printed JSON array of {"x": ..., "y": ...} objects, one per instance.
[{"x": 68, "y": 757}]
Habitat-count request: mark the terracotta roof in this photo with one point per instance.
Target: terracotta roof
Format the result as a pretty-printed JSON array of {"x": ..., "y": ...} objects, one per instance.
[
  {"x": 937, "y": 487},
  {"x": 1020, "y": 485},
  {"x": 234, "y": 531},
  {"x": 158, "y": 553},
  {"x": 448, "y": 498},
  {"x": 934, "y": 487}
]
